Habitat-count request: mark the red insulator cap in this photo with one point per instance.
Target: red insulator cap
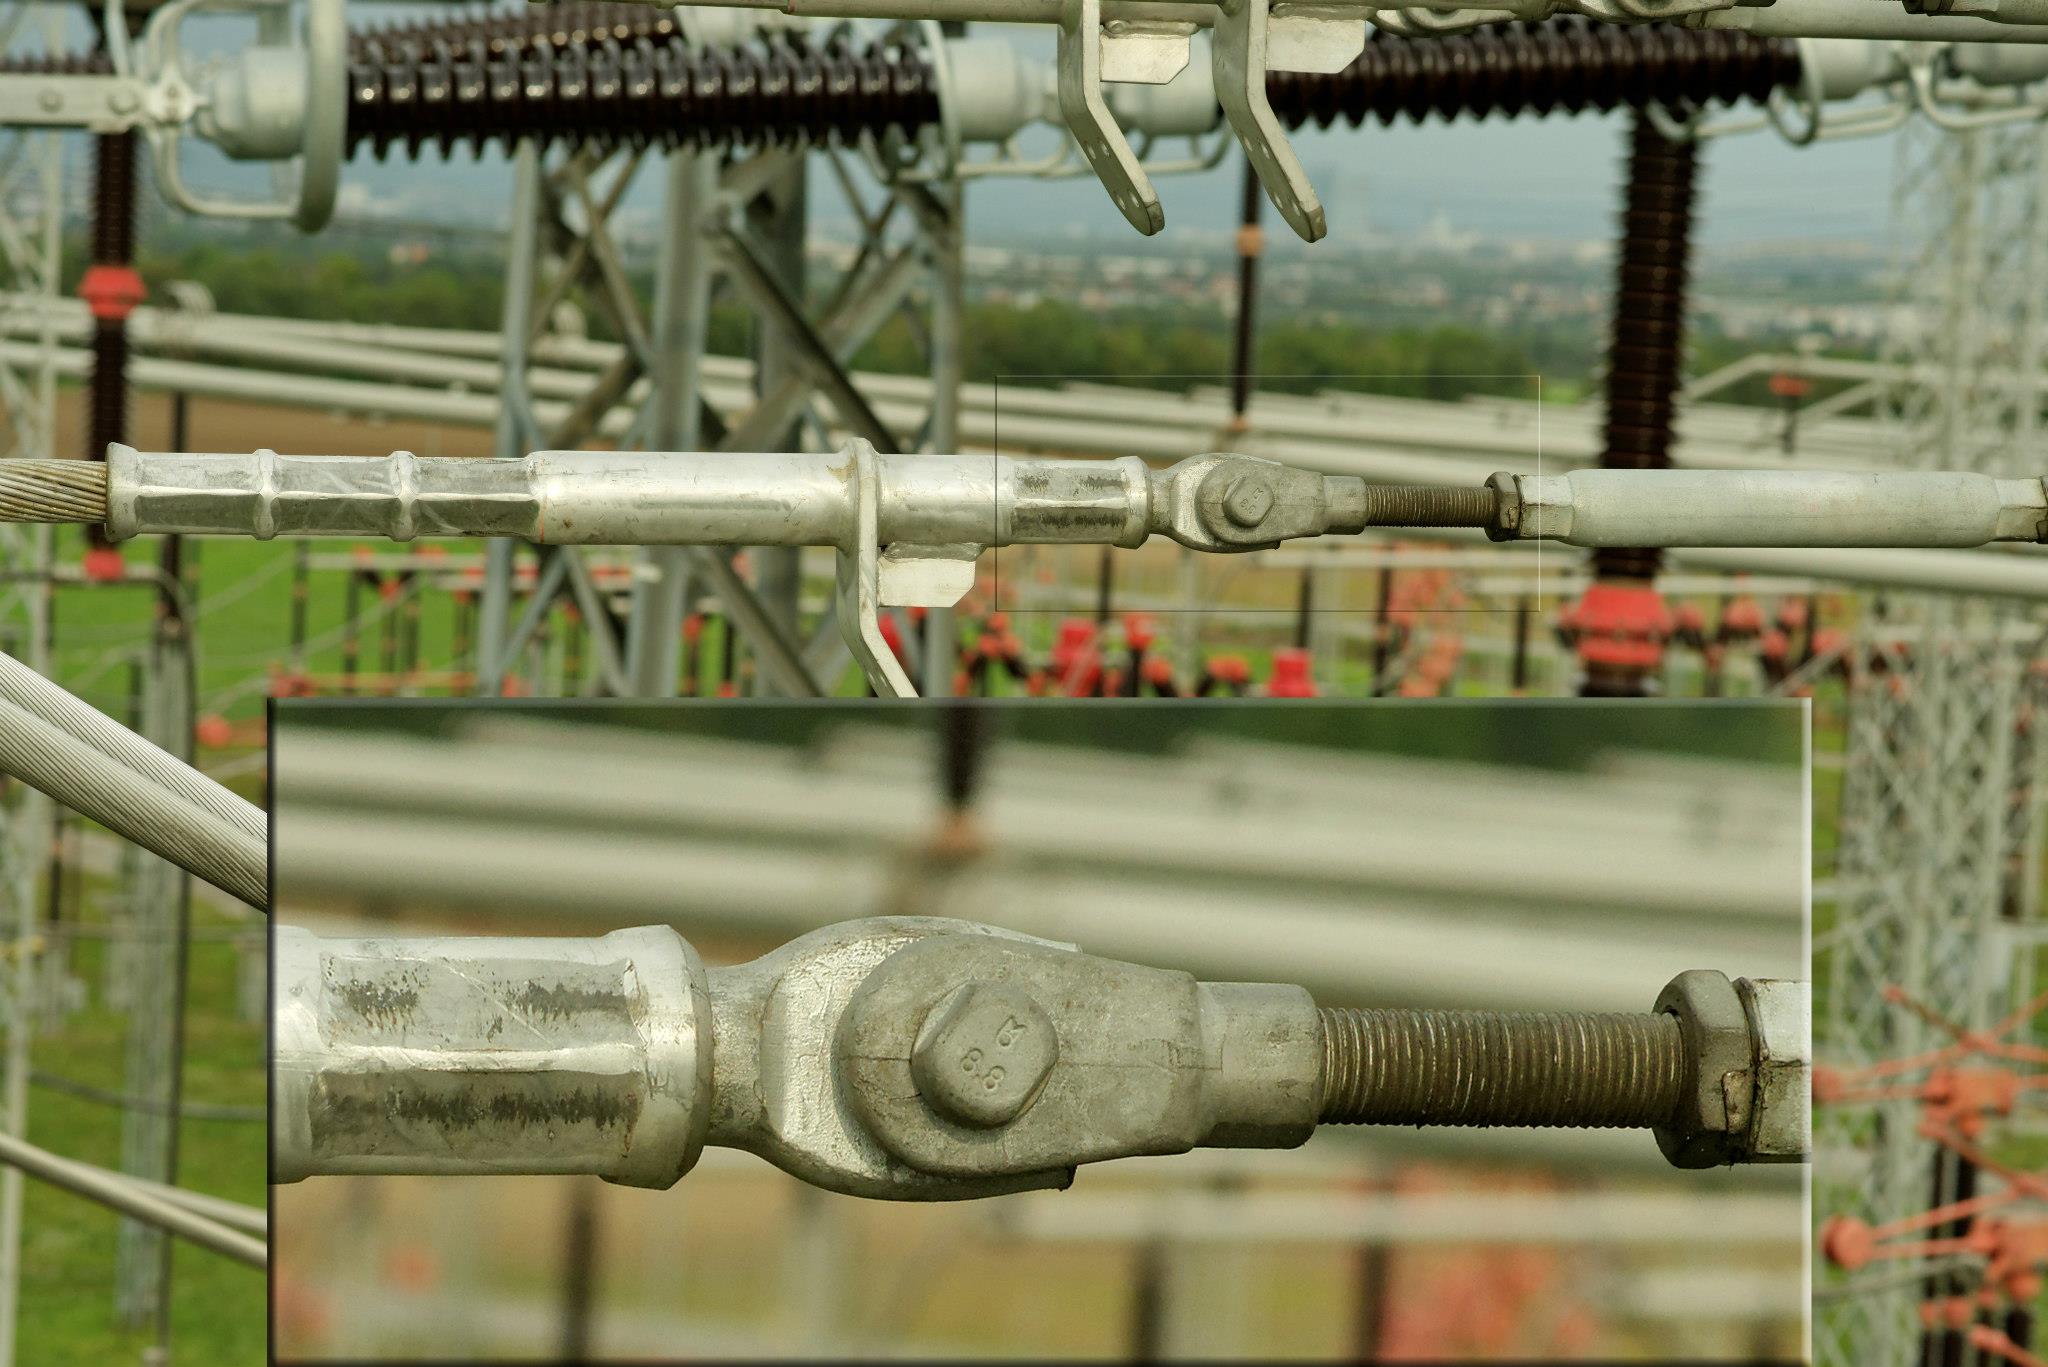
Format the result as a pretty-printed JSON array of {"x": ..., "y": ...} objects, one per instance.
[
  {"x": 1742, "y": 616},
  {"x": 1230, "y": 669},
  {"x": 104, "y": 564},
  {"x": 213, "y": 732},
  {"x": 1621, "y": 626},
  {"x": 1847, "y": 1242},
  {"x": 1290, "y": 678},
  {"x": 1076, "y": 636},
  {"x": 1138, "y": 632},
  {"x": 111, "y": 292}
]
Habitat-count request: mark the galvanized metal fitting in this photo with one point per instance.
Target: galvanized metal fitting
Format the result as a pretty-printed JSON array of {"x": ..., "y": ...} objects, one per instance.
[
  {"x": 1222, "y": 502},
  {"x": 476, "y": 1054},
  {"x": 1091, "y": 1058},
  {"x": 1802, "y": 508},
  {"x": 917, "y": 1058}
]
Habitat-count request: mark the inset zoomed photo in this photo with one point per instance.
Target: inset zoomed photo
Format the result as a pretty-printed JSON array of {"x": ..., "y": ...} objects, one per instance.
[{"x": 1351, "y": 1031}]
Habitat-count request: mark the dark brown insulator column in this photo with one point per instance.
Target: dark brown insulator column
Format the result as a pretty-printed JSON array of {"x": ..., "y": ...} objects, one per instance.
[
  {"x": 111, "y": 290},
  {"x": 1621, "y": 624},
  {"x": 1244, "y": 343},
  {"x": 1560, "y": 66}
]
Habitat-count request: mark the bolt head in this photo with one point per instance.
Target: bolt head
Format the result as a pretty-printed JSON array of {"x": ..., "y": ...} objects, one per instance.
[
  {"x": 983, "y": 1055},
  {"x": 1248, "y": 500}
]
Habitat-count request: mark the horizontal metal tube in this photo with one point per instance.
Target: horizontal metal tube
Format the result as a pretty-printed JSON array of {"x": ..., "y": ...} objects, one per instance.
[
  {"x": 479, "y": 1055},
  {"x": 632, "y": 498},
  {"x": 132, "y": 1199},
  {"x": 1862, "y": 19},
  {"x": 1778, "y": 508}
]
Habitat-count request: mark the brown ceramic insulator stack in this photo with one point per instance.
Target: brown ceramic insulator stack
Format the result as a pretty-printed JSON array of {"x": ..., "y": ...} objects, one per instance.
[
  {"x": 558, "y": 25},
  {"x": 465, "y": 84},
  {"x": 617, "y": 74},
  {"x": 1560, "y": 66},
  {"x": 1649, "y": 320}
]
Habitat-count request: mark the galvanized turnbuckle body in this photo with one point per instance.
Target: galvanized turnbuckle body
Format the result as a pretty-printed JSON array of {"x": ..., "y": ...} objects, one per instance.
[{"x": 912, "y": 1058}]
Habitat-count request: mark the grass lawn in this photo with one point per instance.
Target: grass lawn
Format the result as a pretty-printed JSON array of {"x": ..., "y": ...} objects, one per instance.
[{"x": 67, "y": 1287}]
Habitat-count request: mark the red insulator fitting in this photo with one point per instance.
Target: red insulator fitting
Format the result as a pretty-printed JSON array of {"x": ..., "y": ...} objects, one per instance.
[
  {"x": 112, "y": 292},
  {"x": 1741, "y": 620},
  {"x": 1691, "y": 628},
  {"x": 104, "y": 564},
  {"x": 1620, "y": 627},
  {"x": 1291, "y": 677},
  {"x": 1138, "y": 632},
  {"x": 1847, "y": 1242},
  {"x": 1076, "y": 665}
]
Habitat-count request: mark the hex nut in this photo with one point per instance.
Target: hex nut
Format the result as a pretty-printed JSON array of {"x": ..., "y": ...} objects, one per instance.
[
  {"x": 1710, "y": 1127},
  {"x": 1780, "y": 1015},
  {"x": 983, "y": 1055},
  {"x": 1545, "y": 506},
  {"x": 1507, "y": 507}
]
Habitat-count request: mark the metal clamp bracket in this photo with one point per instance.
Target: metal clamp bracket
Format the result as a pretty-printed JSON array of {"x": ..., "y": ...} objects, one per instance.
[
  {"x": 1088, "y": 118},
  {"x": 1252, "y": 39}
]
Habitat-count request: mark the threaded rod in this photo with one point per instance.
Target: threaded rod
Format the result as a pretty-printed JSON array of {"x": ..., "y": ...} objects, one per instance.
[
  {"x": 1429, "y": 505},
  {"x": 1564, "y": 1068}
]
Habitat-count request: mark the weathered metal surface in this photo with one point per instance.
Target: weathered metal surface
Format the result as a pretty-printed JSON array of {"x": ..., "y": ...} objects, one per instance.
[
  {"x": 1149, "y": 1060},
  {"x": 490, "y": 1055}
]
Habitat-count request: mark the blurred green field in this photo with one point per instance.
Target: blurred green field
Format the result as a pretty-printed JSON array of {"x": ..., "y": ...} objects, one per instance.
[{"x": 67, "y": 1284}]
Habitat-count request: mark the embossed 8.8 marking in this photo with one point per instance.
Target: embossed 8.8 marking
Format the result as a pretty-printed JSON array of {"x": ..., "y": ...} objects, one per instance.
[{"x": 983, "y": 1055}]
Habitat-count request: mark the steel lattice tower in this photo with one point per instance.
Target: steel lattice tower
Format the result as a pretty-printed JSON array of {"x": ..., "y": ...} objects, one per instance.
[
  {"x": 1930, "y": 839},
  {"x": 31, "y": 210}
]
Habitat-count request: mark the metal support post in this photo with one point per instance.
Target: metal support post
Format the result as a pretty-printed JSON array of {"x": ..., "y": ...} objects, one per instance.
[
  {"x": 939, "y": 216},
  {"x": 682, "y": 311},
  {"x": 1931, "y": 765},
  {"x": 779, "y": 220},
  {"x": 515, "y": 430},
  {"x": 31, "y": 262}
]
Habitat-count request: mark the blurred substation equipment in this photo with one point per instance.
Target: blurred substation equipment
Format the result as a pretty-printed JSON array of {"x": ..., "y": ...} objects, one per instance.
[{"x": 654, "y": 520}]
